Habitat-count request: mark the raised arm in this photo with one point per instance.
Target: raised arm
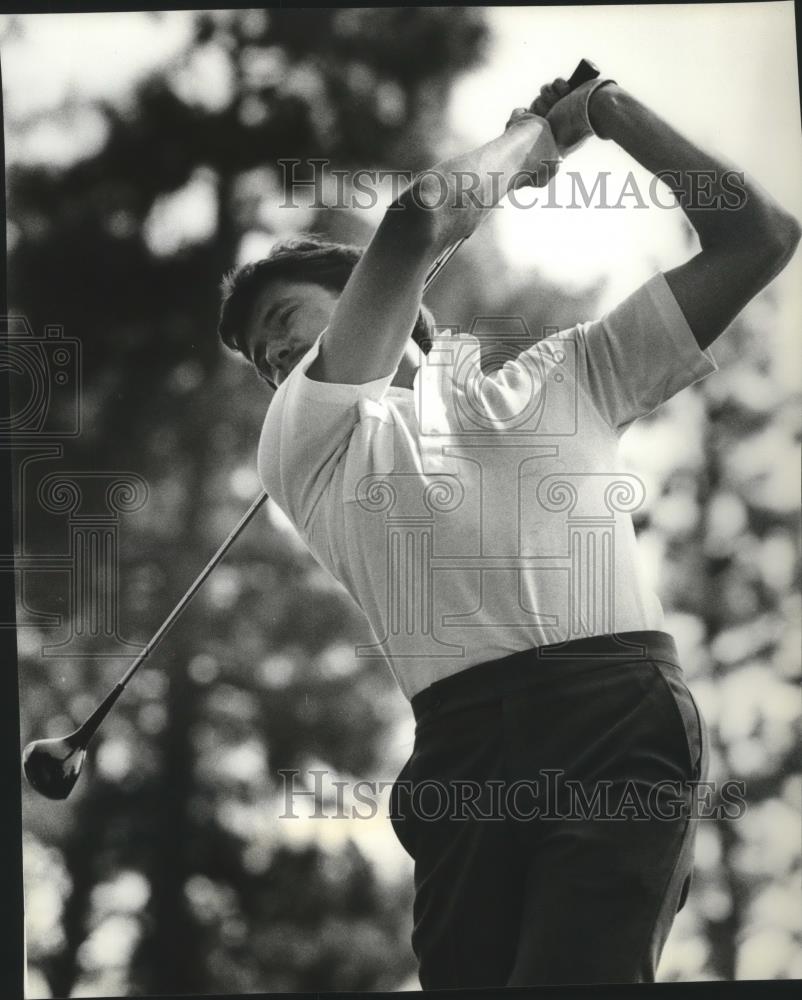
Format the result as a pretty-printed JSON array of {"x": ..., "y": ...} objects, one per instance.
[
  {"x": 746, "y": 237},
  {"x": 374, "y": 315}
]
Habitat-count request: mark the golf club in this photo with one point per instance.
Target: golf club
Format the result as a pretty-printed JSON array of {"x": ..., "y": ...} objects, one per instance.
[{"x": 52, "y": 766}]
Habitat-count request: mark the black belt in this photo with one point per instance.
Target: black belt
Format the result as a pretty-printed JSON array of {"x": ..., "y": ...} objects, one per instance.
[{"x": 494, "y": 679}]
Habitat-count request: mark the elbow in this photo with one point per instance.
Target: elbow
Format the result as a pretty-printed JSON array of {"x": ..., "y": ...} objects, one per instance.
[
  {"x": 419, "y": 216},
  {"x": 791, "y": 231},
  {"x": 779, "y": 239}
]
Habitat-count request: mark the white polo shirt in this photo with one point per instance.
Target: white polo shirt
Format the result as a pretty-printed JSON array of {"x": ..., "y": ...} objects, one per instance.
[{"x": 476, "y": 515}]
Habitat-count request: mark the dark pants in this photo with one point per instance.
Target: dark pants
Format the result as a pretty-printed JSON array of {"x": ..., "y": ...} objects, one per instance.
[{"x": 548, "y": 807}]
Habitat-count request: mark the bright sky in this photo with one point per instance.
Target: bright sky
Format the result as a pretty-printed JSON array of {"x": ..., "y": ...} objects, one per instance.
[{"x": 725, "y": 74}]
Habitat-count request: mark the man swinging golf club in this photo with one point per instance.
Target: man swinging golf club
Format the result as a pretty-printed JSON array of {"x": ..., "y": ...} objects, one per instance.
[{"x": 482, "y": 523}]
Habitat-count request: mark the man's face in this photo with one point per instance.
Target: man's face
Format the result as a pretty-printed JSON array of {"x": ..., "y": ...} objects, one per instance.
[{"x": 285, "y": 321}]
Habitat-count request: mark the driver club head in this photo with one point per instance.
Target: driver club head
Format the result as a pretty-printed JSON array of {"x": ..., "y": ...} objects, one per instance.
[{"x": 53, "y": 766}]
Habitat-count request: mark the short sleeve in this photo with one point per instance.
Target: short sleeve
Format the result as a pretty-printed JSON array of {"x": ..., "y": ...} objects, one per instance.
[
  {"x": 306, "y": 433},
  {"x": 639, "y": 355}
]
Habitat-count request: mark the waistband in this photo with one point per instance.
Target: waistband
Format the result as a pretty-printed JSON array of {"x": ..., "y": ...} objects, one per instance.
[{"x": 530, "y": 668}]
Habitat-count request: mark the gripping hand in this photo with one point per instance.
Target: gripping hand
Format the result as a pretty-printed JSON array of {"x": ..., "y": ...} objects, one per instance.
[{"x": 566, "y": 111}]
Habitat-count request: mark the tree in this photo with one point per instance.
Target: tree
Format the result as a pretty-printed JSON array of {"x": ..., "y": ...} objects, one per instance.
[{"x": 175, "y": 878}]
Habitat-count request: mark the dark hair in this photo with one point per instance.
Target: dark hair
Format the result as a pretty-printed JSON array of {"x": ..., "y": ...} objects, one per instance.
[{"x": 306, "y": 258}]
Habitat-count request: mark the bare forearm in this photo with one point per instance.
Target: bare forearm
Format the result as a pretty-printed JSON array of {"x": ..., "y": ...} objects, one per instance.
[
  {"x": 746, "y": 238},
  {"x": 453, "y": 198},
  {"x": 725, "y": 207},
  {"x": 373, "y": 317}
]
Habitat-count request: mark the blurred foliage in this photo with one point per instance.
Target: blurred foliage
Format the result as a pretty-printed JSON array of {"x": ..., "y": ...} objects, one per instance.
[
  {"x": 168, "y": 870},
  {"x": 726, "y": 513},
  {"x": 720, "y": 520}
]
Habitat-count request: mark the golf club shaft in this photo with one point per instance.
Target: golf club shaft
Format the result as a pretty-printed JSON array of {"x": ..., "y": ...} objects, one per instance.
[
  {"x": 584, "y": 71},
  {"x": 235, "y": 532},
  {"x": 89, "y": 727},
  {"x": 233, "y": 535},
  {"x": 87, "y": 730}
]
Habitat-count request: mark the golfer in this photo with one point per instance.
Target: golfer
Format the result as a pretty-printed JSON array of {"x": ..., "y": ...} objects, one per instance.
[{"x": 479, "y": 516}]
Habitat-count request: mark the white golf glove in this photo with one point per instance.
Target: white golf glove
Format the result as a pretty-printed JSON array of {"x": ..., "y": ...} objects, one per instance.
[{"x": 567, "y": 113}]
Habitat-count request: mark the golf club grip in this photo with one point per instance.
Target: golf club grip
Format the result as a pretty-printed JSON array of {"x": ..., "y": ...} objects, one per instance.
[{"x": 585, "y": 70}]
